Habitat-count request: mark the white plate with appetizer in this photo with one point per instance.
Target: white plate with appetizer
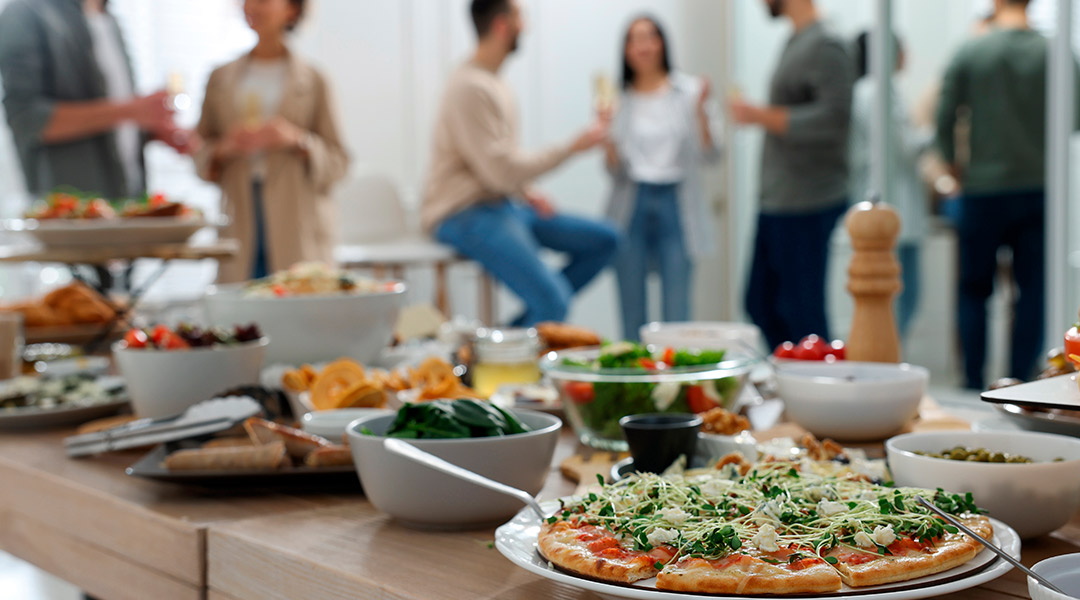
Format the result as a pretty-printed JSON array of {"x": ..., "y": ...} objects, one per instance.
[{"x": 41, "y": 402}]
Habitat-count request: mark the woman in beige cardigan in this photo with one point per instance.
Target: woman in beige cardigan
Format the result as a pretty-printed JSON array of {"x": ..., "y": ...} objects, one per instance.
[{"x": 271, "y": 142}]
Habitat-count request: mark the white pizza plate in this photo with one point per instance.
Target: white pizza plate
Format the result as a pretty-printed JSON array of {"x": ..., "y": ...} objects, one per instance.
[
  {"x": 109, "y": 232},
  {"x": 516, "y": 540}
]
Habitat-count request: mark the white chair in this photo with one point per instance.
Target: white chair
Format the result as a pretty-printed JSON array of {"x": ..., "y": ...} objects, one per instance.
[{"x": 376, "y": 233}]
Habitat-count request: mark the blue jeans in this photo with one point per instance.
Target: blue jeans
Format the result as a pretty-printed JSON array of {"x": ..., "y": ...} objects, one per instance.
[
  {"x": 654, "y": 239},
  {"x": 506, "y": 238},
  {"x": 986, "y": 224},
  {"x": 907, "y": 303},
  {"x": 786, "y": 293}
]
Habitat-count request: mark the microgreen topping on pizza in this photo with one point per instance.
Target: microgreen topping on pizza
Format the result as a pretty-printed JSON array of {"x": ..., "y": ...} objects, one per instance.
[{"x": 774, "y": 528}]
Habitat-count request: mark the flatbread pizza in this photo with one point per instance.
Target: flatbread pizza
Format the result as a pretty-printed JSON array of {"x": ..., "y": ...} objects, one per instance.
[{"x": 771, "y": 528}]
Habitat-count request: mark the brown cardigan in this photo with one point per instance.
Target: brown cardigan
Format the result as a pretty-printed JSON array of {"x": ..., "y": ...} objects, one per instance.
[{"x": 298, "y": 211}]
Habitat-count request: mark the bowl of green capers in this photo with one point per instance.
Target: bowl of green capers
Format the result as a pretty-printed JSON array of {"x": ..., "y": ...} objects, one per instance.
[{"x": 1031, "y": 481}]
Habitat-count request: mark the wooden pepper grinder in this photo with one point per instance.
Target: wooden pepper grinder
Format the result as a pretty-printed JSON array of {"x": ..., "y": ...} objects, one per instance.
[{"x": 873, "y": 280}]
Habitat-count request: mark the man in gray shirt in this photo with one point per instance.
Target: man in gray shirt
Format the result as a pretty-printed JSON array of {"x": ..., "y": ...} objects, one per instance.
[
  {"x": 69, "y": 102},
  {"x": 803, "y": 175}
]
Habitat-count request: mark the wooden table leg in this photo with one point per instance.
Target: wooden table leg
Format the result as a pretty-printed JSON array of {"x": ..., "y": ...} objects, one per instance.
[
  {"x": 442, "y": 298},
  {"x": 398, "y": 272}
]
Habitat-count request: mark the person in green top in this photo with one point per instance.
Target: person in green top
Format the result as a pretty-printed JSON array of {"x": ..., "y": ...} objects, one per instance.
[{"x": 999, "y": 79}]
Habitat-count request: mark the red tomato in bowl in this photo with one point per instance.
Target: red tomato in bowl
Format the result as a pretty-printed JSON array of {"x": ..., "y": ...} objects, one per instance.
[
  {"x": 785, "y": 350},
  {"x": 135, "y": 338},
  {"x": 580, "y": 392},
  {"x": 837, "y": 350},
  {"x": 811, "y": 347}
]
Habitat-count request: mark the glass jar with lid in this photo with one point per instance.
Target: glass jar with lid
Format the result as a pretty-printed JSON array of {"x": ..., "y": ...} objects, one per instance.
[{"x": 504, "y": 357}]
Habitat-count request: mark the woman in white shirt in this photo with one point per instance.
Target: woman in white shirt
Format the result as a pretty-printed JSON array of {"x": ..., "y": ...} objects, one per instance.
[
  {"x": 273, "y": 145},
  {"x": 661, "y": 139}
]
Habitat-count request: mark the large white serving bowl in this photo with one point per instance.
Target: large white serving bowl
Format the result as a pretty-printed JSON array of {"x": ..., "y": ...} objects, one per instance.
[
  {"x": 1062, "y": 571},
  {"x": 1034, "y": 499},
  {"x": 851, "y": 401},
  {"x": 164, "y": 383},
  {"x": 422, "y": 497},
  {"x": 704, "y": 335},
  {"x": 109, "y": 232},
  {"x": 308, "y": 329}
]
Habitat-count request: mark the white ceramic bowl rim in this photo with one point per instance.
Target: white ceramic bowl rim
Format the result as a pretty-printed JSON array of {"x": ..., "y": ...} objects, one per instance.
[
  {"x": 892, "y": 444},
  {"x": 120, "y": 346},
  {"x": 552, "y": 365},
  {"x": 554, "y": 424},
  {"x": 893, "y": 372},
  {"x": 235, "y": 290}
]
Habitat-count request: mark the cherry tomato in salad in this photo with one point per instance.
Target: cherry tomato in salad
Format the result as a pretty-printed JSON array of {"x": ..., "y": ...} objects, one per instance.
[
  {"x": 136, "y": 338},
  {"x": 837, "y": 350},
  {"x": 158, "y": 333},
  {"x": 172, "y": 341},
  {"x": 1072, "y": 344},
  {"x": 785, "y": 350},
  {"x": 669, "y": 357},
  {"x": 647, "y": 363},
  {"x": 698, "y": 401},
  {"x": 158, "y": 199},
  {"x": 580, "y": 392}
]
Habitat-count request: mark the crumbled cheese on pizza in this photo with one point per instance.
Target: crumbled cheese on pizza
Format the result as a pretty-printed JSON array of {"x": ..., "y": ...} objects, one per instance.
[
  {"x": 769, "y": 511},
  {"x": 863, "y": 541},
  {"x": 883, "y": 536},
  {"x": 829, "y": 508},
  {"x": 674, "y": 515},
  {"x": 664, "y": 394},
  {"x": 767, "y": 539},
  {"x": 662, "y": 535},
  {"x": 715, "y": 488}
]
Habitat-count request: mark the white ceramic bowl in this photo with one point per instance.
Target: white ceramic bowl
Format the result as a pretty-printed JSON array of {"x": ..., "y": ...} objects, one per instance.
[
  {"x": 164, "y": 383},
  {"x": 705, "y": 335},
  {"x": 851, "y": 401},
  {"x": 1062, "y": 571},
  {"x": 1034, "y": 499},
  {"x": 309, "y": 329},
  {"x": 418, "y": 496},
  {"x": 331, "y": 424}
]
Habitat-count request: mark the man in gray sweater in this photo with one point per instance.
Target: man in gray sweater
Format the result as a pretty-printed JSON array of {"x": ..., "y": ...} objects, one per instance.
[{"x": 803, "y": 175}]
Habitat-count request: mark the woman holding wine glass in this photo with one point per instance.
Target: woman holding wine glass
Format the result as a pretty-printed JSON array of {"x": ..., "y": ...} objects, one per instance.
[
  {"x": 271, "y": 141},
  {"x": 662, "y": 137}
]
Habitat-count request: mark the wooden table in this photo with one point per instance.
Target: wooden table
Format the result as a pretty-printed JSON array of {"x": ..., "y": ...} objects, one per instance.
[
  {"x": 122, "y": 538},
  {"x": 114, "y": 536}
]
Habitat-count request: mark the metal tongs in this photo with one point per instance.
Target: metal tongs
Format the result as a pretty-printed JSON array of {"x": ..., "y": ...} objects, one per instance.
[{"x": 204, "y": 418}]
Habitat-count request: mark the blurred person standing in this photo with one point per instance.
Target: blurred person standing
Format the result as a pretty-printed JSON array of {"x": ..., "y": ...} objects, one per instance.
[
  {"x": 804, "y": 175},
  {"x": 999, "y": 80},
  {"x": 907, "y": 193},
  {"x": 661, "y": 139},
  {"x": 477, "y": 169},
  {"x": 70, "y": 99},
  {"x": 273, "y": 144}
]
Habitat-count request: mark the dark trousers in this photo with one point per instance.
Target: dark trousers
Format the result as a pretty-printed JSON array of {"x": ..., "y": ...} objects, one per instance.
[
  {"x": 786, "y": 294},
  {"x": 986, "y": 224}
]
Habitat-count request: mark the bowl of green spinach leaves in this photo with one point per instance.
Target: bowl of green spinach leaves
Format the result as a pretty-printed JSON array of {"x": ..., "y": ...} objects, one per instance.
[
  {"x": 512, "y": 446},
  {"x": 601, "y": 385}
]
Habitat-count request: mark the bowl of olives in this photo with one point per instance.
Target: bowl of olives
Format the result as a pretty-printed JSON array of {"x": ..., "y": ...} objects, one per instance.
[{"x": 1031, "y": 481}]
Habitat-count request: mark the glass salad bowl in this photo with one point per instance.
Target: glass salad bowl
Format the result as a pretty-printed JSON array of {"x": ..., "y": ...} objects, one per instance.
[{"x": 599, "y": 386}]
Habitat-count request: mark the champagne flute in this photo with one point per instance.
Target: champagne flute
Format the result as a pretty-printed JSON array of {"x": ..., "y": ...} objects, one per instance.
[
  {"x": 604, "y": 94},
  {"x": 179, "y": 100}
]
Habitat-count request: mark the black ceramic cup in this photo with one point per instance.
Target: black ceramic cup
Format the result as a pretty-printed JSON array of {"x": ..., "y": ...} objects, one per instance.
[{"x": 657, "y": 439}]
